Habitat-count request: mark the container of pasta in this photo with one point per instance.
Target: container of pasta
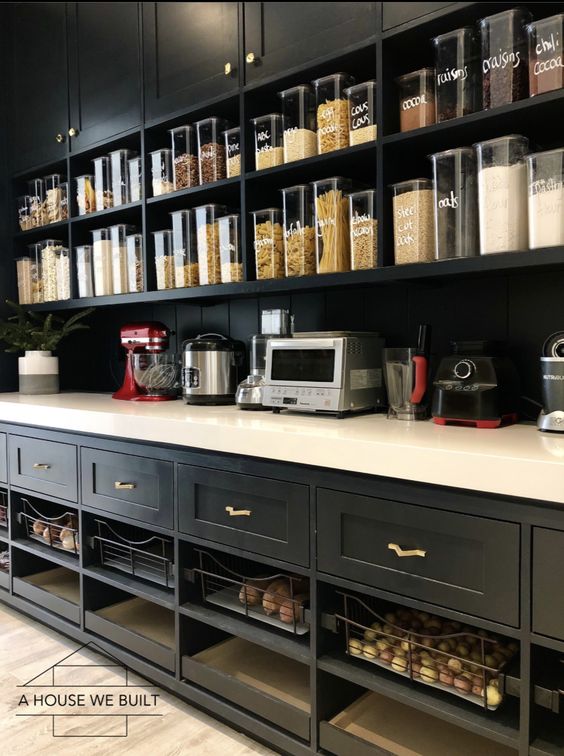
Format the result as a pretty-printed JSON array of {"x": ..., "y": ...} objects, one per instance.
[
  {"x": 363, "y": 229},
  {"x": 135, "y": 276},
  {"x": 268, "y": 141},
  {"x": 332, "y": 238},
  {"x": 103, "y": 183},
  {"x": 332, "y": 111},
  {"x": 184, "y": 249},
  {"x": 299, "y": 231},
  {"x": 230, "y": 252},
  {"x": 85, "y": 195},
  {"x": 232, "y": 139},
  {"x": 268, "y": 244},
  {"x": 207, "y": 239}
]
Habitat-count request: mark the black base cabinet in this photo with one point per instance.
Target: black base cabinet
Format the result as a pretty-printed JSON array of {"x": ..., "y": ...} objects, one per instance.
[{"x": 166, "y": 571}]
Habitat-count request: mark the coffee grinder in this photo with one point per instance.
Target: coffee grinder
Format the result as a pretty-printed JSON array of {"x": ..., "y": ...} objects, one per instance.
[
  {"x": 551, "y": 417},
  {"x": 141, "y": 338}
]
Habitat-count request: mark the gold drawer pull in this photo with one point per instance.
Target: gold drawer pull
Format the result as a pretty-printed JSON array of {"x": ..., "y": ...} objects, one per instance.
[
  {"x": 406, "y": 552},
  {"x": 118, "y": 485},
  {"x": 41, "y": 466},
  {"x": 238, "y": 512}
]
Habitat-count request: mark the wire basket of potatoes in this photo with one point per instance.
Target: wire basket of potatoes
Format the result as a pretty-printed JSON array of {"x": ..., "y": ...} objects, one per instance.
[
  {"x": 427, "y": 649},
  {"x": 57, "y": 532},
  {"x": 3, "y": 509}
]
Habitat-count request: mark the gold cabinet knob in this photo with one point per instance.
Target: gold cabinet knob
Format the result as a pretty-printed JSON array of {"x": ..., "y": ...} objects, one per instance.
[
  {"x": 227, "y": 69},
  {"x": 60, "y": 138},
  {"x": 73, "y": 132},
  {"x": 251, "y": 58}
]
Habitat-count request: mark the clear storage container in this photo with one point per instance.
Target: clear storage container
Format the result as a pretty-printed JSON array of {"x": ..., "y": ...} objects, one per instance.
[
  {"x": 36, "y": 191},
  {"x": 185, "y": 172},
  {"x": 53, "y": 198},
  {"x": 332, "y": 239},
  {"x": 164, "y": 260},
  {"x": 30, "y": 284},
  {"x": 362, "y": 112},
  {"x": 64, "y": 189},
  {"x": 229, "y": 249},
  {"x": 34, "y": 253},
  {"x": 298, "y": 111},
  {"x": 299, "y": 231},
  {"x": 414, "y": 230},
  {"x": 135, "y": 171},
  {"x": 24, "y": 212},
  {"x": 505, "y": 64},
  {"x": 417, "y": 99},
  {"x": 135, "y": 277},
  {"x": 268, "y": 243},
  {"x": 207, "y": 239},
  {"x": 103, "y": 183},
  {"x": 63, "y": 274},
  {"x": 211, "y": 149},
  {"x": 84, "y": 271},
  {"x": 85, "y": 194},
  {"x": 232, "y": 138},
  {"x": 457, "y": 67},
  {"x": 268, "y": 140},
  {"x": 120, "y": 271},
  {"x": 546, "y": 65},
  {"x": 185, "y": 250},
  {"x": 55, "y": 270},
  {"x": 119, "y": 172},
  {"x": 456, "y": 203},
  {"x": 332, "y": 111},
  {"x": 161, "y": 171},
  {"x": 102, "y": 262},
  {"x": 363, "y": 229},
  {"x": 546, "y": 198},
  {"x": 502, "y": 194}
]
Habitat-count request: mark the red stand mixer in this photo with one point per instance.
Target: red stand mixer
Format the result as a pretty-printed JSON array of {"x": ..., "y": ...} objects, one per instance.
[{"x": 150, "y": 375}]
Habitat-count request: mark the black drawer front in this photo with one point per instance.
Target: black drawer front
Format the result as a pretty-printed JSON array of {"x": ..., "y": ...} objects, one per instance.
[
  {"x": 136, "y": 487},
  {"x": 3, "y": 459},
  {"x": 470, "y": 563},
  {"x": 260, "y": 515},
  {"x": 548, "y": 579},
  {"x": 48, "y": 467}
]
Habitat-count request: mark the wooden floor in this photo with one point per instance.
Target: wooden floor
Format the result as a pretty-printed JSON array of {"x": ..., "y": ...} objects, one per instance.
[{"x": 28, "y": 648}]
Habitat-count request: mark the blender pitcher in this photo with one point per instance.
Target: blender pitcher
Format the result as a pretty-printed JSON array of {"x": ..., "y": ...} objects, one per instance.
[{"x": 405, "y": 375}]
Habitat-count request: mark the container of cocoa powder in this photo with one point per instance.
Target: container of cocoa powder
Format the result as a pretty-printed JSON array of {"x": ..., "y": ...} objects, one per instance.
[
  {"x": 417, "y": 99},
  {"x": 546, "y": 63}
]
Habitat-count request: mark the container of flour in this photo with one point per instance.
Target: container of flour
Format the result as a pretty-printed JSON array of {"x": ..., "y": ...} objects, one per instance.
[{"x": 545, "y": 174}]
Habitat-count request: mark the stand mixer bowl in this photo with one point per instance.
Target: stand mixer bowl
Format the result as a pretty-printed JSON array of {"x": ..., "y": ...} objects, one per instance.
[{"x": 157, "y": 375}]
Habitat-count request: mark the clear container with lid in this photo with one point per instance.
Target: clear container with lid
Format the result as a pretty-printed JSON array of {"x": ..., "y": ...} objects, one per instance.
[
  {"x": 414, "y": 230},
  {"x": 268, "y": 140},
  {"x": 211, "y": 149},
  {"x": 268, "y": 244},
  {"x": 30, "y": 283},
  {"x": 299, "y": 231},
  {"x": 135, "y": 172},
  {"x": 120, "y": 272},
  {"x": 85, "y": 194},
  {"x": 456, "y": 203},
  {"x": 505, "y": 63},
  {"x": 103, "y": 183},
  {"x": 135, "y": 276},
  {"x": 164, "y": 259},
  {"x": 417, "y": 99},
  {"x": 63, "y": 274},
  {"x": 53, "y": 198},
  {"x": 232, "y": 138},
  {"x": 102, "y": 262},
  {"x": 185, "y": 172},
  {"x": 546, "y": 198},
  {"x": 161, "y": 172},
  {"x": 332, "y": 237},
  {"x": 36, "y": 191},
  {"x": 230, "y": 252},
  {"x": 363, "y": 229},
  {"x": 362, "y": 112},
  {"x": 84, "y": 271},
  {"x": 457, "y": 66},
  {"x": 185, "y": 250},
  {"x": 546, "y": 64},
  {"x": 207, "y": 239},
  {"x": 64, "y": 189},
  {"x": 119, "y": 172},
  {"x": 24, "y": 212},
  {"x": 53, "y": 269},
  {"x": 34, "y": 253},
  {"x": 298, "y": 111},
  {"x": 332, "y": 111},
  {"x": 502, "y": 194}
]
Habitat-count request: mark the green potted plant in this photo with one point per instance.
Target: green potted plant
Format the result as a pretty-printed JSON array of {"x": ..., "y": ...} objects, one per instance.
[{"x": 38, "y": 335}]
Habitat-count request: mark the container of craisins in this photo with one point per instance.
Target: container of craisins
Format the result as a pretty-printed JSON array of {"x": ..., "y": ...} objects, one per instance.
[{"x": 505, "y": 65}]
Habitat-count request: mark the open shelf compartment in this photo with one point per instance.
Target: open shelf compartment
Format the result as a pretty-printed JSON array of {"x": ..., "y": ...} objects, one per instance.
[{"x": 56, "y": 589}]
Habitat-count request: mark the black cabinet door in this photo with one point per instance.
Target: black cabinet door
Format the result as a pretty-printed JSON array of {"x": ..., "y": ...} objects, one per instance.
[
  {"x": 186, "y": 49},
  {"x": 285, "y": 35},
  {"x": 39, "y": 97},
  {"x": 394, "y": 14},
  {"x": 105, "y": 71}
]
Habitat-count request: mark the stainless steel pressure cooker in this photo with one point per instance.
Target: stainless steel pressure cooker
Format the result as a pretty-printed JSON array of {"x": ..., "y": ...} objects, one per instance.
[{"x": 210, "y": 365}]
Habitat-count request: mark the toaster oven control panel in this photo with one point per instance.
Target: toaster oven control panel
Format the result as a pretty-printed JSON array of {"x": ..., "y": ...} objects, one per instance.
[{"x": 310, "y": 399}]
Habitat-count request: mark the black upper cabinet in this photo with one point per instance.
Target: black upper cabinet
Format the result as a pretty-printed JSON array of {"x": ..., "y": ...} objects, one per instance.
[
  {"x": 39, "y": 93},
  {"x": 279, "y": 36},
  {"x": 394, "y": 14},
  {"x": 105, "y": 76},
  {"x": 191, "y": 54}
]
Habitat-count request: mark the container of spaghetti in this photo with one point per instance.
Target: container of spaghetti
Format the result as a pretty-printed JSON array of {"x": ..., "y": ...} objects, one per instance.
[{"x": 332, "y": 239}]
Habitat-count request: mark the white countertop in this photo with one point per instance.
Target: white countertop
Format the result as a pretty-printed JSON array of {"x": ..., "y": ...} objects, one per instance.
[{"x": 516, "y": 461}]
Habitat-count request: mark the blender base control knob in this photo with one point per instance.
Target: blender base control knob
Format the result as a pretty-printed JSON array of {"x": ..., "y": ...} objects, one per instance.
[{"x": 464, "y": 369}]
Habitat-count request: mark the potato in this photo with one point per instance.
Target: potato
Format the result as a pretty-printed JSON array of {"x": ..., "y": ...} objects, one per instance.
[
  {"x": 446, "y": 677},
  {"x": 39, "y": 527},
  {"x": 290, "y": 609},
  {"x": 355, "y": 647},
  {"x": 275, "y": 594},
  {"x": 429, "y": 674},
  {"x": 493, "y": 696},
  {"x": 387, "y": 656},
  {"x": 370, "y": 651},
  {"x": 253, "y": 591},
  {"x": 462, "y": 684},
  {"x": 399, "y": 664},
  {"x": 455, "y": 665}
]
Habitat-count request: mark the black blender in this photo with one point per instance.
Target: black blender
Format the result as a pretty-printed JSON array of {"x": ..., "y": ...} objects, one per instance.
[{"x": 551, "y": 417}]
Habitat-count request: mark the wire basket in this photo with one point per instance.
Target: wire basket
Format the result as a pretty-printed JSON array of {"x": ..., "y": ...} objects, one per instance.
[
  {"x": 3, "y": 509},
  {"x": 427, "y": 649},
  {"x": 279, "y": 600},
  {"x": 148, "y": 559},
  {"x": 59, "y": 532}
]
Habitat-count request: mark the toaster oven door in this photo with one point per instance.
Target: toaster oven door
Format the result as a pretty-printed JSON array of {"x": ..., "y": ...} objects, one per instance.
[{"x": 308, "y": 363}]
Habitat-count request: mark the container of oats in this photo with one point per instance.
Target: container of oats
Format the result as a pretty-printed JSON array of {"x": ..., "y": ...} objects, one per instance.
[
  {"x": 332, "y": 237},
  {"x": 230, "y": 253},
  {"x": 134, "y": 249},
  {"x": 161, "y": 172},
  {"x": 85, "y": 194},
  {"x": 363, "y": 229},
  {"x": 119, "y": 173},
  {"x": 332, "y": 111},
  {"x": 207, "y": 240},
  {"x": 36, "y": 192},
  {"x": 120, "y": 272},
  {"x": 53, "y": 268},
  {"x": 362, "y": 112},
  {"x": 268, "y": 242},
  {"x": 102, "y": 262},
  {"x": 211, "y": 149},
  {"x": 232, "y": 139},
  {"x": 185, "y": 173},
  {"x": 298, "y": 111},
  {"x": 84, "y": 270},
  {"x": 103, "y": 183},
  {"x": 299, "y": 231},
  {"x": 164, "y": 260},
  {"x": 30, "y": 284},
  {"x": 184, "y": 249},
  {"x": 414, "y": 231},
  {"x": 135, "y": 171},
  {"x": 24, "y": 212},
  {"x": 53, "y": 198},
  {"x": 268, "y": 140}
]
